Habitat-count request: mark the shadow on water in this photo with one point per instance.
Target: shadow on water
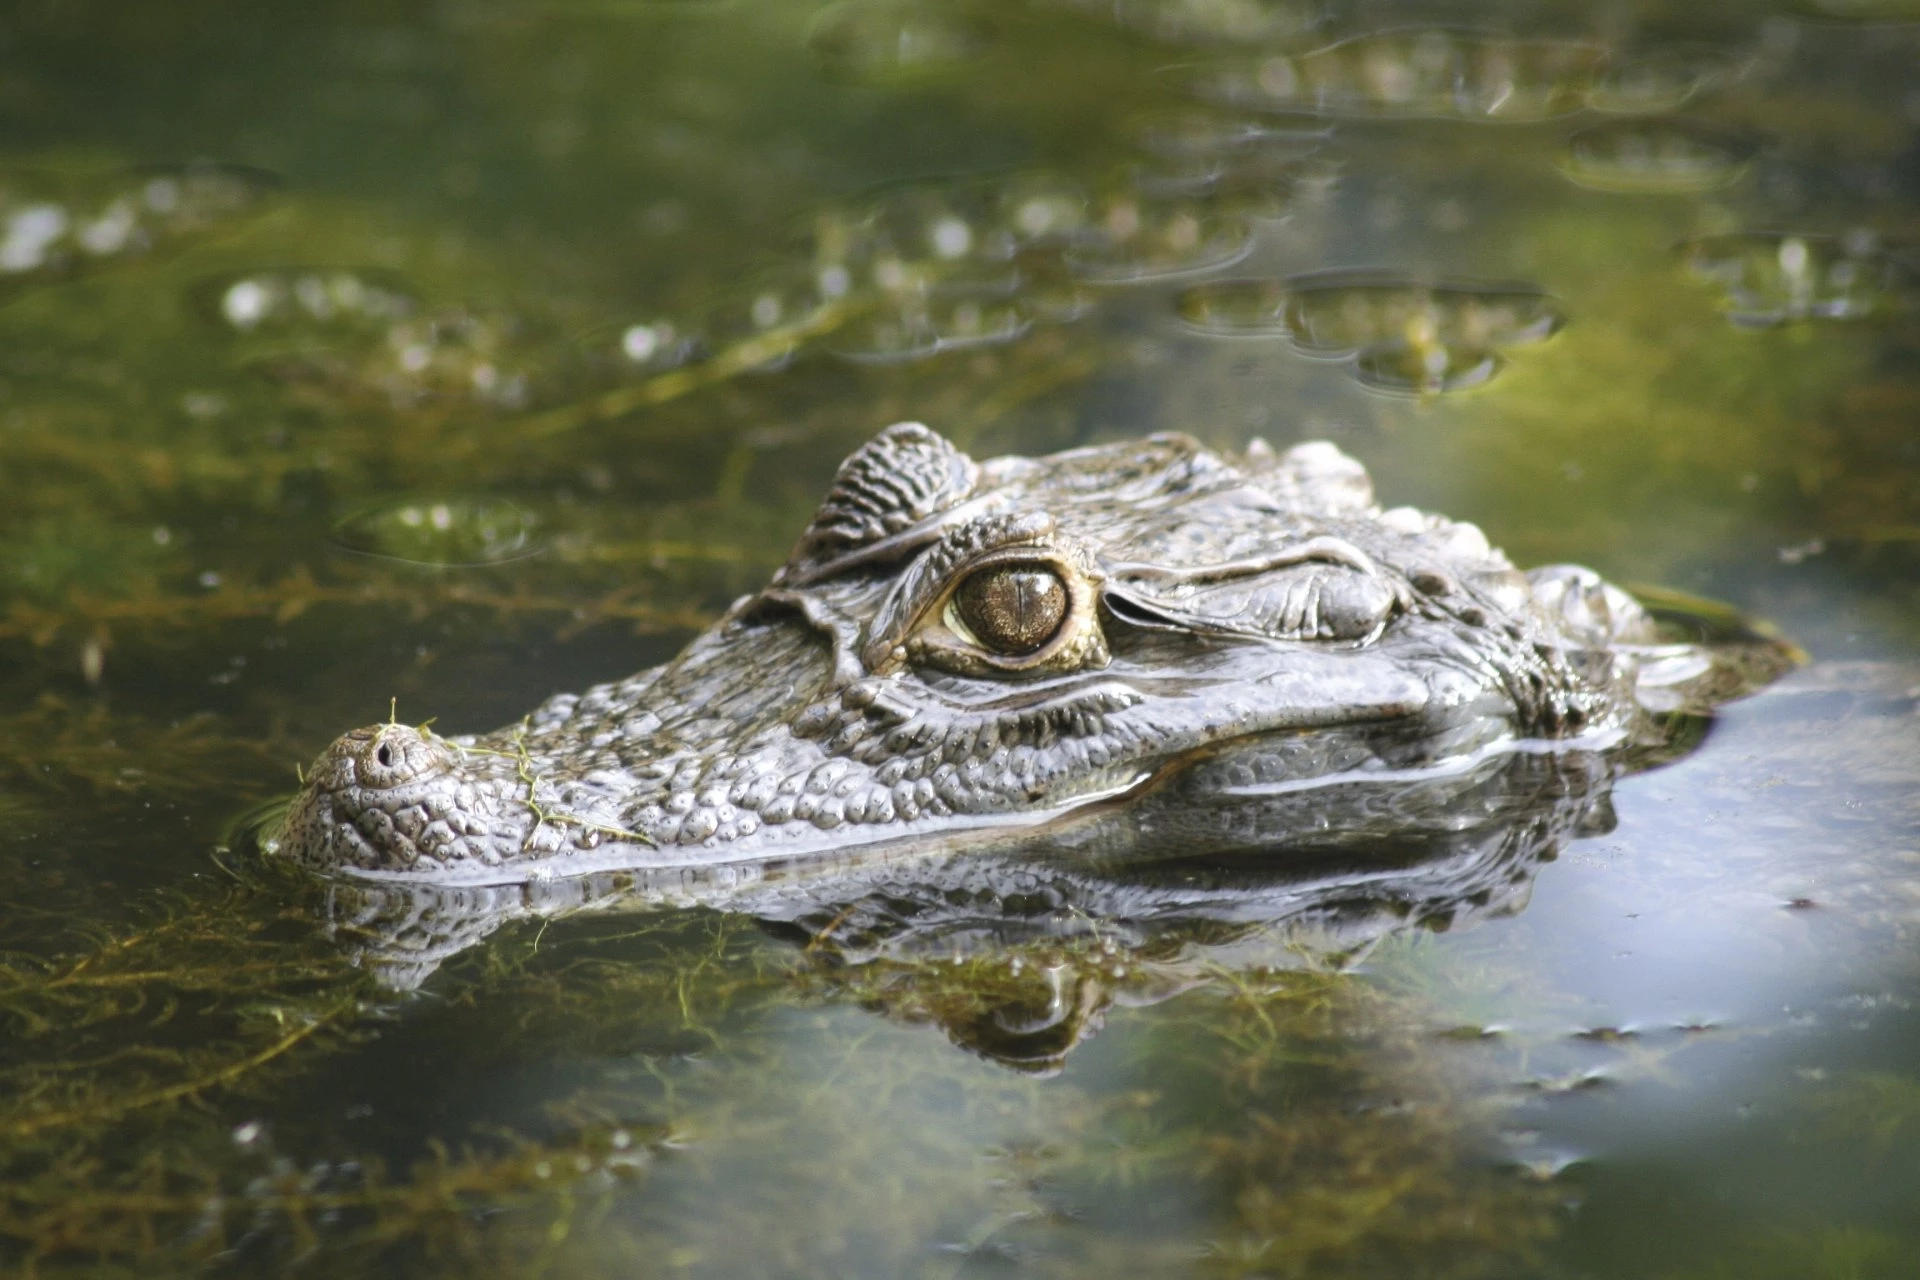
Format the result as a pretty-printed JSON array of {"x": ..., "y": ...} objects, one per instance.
[{"x": 492, "y": 350}]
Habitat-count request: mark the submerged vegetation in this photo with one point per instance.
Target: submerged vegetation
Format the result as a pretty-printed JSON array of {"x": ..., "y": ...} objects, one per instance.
[{"x": 179, "y": 1147}]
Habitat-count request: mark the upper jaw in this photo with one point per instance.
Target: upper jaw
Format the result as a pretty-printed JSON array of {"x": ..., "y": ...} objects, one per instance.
[{"x": 498, "y": 810}]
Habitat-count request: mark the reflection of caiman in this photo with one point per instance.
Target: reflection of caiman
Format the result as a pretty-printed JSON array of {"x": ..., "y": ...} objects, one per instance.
[
  {"x": 1124, "y": 903},
  {"x": 958, "y": 648}
]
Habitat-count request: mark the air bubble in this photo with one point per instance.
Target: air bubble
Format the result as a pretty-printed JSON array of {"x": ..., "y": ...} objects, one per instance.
[
  {"x": 1770, "y": 278},
  {"x": 1412, "y": 368},
  {"x": 1419, "y": 72},
  {"x": 1337, "y": 313},
  {"x": 1658, "y": 156},
  {"x": 1236, "y": 308},
  {"x": 1139, "y": 241},
  {"x": 315, "y": 301}
]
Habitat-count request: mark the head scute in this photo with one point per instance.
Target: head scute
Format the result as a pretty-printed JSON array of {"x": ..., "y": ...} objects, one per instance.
[
  {"x": 900, "y": 478},
  {"x": 1314, "y": 476}
]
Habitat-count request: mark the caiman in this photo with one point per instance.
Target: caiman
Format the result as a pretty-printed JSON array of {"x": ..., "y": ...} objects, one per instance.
[{"x": 957, "y": 651}]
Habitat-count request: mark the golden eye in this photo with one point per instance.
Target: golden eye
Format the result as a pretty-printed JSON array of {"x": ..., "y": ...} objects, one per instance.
[{"x": 1012, "y": 609}]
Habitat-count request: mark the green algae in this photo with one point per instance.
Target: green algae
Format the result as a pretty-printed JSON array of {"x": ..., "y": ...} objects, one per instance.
[{"x": 168, "y": 1154}]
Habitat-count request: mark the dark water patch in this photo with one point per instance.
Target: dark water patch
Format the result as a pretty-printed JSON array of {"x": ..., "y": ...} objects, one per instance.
[{"x": 1862, "y": 12}]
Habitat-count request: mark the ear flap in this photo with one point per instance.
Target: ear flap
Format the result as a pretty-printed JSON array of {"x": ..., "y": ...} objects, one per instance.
[{"x": 899, "y": 478}]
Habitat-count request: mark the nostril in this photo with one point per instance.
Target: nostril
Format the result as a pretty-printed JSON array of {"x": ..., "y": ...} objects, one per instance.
[{"x": 392, "y": 755}]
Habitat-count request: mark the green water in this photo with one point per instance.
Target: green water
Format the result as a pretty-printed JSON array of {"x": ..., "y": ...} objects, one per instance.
[{"x": 507, "y": 349}]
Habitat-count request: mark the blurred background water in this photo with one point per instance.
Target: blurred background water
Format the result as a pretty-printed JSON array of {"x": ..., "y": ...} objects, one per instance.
[{"x": 451, "y": 355}]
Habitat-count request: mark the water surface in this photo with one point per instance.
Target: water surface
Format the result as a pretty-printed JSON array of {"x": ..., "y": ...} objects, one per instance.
[{"x": 432, "y": 359}]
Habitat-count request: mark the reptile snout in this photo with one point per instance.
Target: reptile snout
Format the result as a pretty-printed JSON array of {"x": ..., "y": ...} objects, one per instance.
[
  {"x": 391, "y": 755},
  {"x": 385, "y": 797}
]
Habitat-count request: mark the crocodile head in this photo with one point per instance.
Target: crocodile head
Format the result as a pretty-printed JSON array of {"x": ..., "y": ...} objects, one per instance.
[{"x": 956, "y": 648}]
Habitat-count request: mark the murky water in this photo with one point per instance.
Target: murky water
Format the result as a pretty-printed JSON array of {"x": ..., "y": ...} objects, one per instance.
[{"x": 449, "y": 356}]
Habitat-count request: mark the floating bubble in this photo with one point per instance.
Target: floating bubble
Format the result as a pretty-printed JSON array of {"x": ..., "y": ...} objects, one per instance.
[
  {"x": 1236, "y": 308},
  {"x": 1420, "y": 72},
  {"x": 1662, "y": 79},
  {"x": 885, "y": 41},
  {"x": 304, "y": 299},
  {"x": 55, "y": 224},
  {"x": 493, "y": 358},
  {"x": 1135, "y": 240},
  {"x": 1041, "y": 210},
  {"x": 183, "y": 199},
  {"x": 965, "y": 319},
  {"x": 486, "y": 356},
  {"x": 638, "y": 349},
  {"x": 445, "y": 532},
  {"x": 1337, "y": 313},
  {"x": 1423, "y": 369},
  {"x": 1402, "y": 334},
  {"x": 1049, "y": 294},
  {"x": 842, "y": 251},
  {"x": 1255, "y": 184},
  {"x": 33, "y": 237},
  {"x": 906, "y": 238},
  {"x": 891, "y": 333},
  {"x": 652, "y": 347},
  {"x": 947, "y": 319},
  {"x": 1658, "y": 156},
  {"x": 1771, "y": 277},
  {"x": 936, "y": 227}
]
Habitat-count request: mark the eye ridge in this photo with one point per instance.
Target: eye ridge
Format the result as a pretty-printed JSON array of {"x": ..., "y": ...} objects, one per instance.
[{"x": 1012, "y": 609}]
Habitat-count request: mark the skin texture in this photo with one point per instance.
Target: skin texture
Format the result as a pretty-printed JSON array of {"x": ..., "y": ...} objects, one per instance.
[{"x": 957, "y": 648}]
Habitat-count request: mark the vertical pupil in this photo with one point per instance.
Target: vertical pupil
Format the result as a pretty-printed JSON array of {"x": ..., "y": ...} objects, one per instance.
[{"x": 1013, "y": 609}]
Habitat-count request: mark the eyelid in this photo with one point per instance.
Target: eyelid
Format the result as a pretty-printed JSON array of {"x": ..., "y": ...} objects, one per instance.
[{"x": 915, "y": 607}]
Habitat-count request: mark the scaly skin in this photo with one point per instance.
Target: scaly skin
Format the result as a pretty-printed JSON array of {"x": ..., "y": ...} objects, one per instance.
[{"x": 1210, "y": 599}]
